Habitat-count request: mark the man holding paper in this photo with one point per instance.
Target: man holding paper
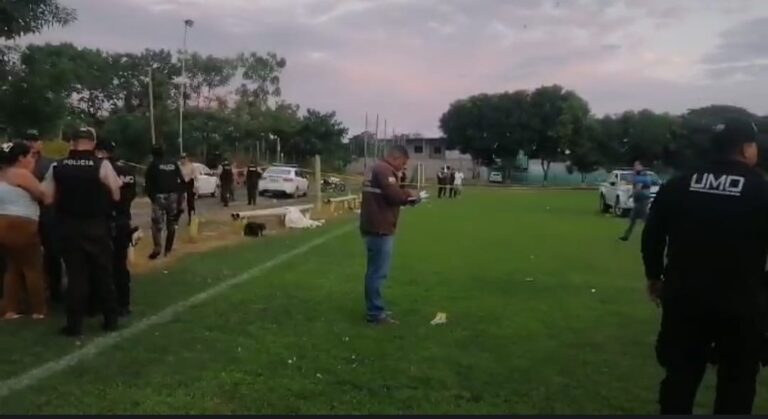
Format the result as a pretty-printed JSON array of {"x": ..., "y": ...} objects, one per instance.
[{"x": 382, "y": 199}]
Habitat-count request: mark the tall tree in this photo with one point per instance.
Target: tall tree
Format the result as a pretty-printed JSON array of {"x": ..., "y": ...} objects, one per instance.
[
  {"x": 557, "y": 116},
  {"x": 24, "y": 17}
]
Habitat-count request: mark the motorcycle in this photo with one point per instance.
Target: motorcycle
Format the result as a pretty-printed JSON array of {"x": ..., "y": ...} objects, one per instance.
[{"x": 332, "y": 184}]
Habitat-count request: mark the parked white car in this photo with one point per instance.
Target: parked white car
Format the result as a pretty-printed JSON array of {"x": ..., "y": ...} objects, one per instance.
[
  {"x": 284, "y": 180},
  {"x": 615, "y": 194},
  {"x": 206, "y": 183},
  {"x": 496, "y": 177}
]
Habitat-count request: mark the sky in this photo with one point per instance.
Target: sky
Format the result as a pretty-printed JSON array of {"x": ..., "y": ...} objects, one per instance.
[{"x": 407, "y": 60}]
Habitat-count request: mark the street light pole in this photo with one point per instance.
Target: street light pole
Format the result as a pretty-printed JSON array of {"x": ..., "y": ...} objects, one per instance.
[{"x": 187, "y": 24}]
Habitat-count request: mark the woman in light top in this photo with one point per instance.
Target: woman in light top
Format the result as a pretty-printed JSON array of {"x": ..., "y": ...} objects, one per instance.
[{"x": 20, "y": 194}]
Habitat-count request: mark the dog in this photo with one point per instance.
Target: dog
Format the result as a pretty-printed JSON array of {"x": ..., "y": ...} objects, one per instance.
[{"x": 253, "y": 229}]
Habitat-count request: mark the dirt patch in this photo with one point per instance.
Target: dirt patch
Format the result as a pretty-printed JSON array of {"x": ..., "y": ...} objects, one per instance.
[{"x": 213, "y": 233}]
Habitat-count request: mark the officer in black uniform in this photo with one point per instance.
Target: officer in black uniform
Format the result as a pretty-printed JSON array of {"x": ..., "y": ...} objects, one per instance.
[
  {"x": 252, "y": 177},
  {"x": 121, "y": 225},
  {"x": 712, "y": 225},
  {"x": 226, "y": 180},
  {"x": 84, "y": 189},
  {"x": 163, "y": 182}
]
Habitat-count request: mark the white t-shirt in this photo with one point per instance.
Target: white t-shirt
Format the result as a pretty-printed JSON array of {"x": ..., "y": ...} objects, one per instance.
[{"x": 458, "y": 180}]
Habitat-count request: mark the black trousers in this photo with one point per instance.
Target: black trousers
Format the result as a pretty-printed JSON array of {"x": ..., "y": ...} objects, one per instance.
[
  {"x": 441, "y": 191},
  {"x": 51, "y": 255},
  {"x": 121, "y": 242},
  {"x": 190, "y": 193},
  {"x": 88, "y": 258},
  {"x": 689, "y": 338},
  {"x": 452, "y": 191},
  {"x": 227, "y": 192},
  {"x": 252, "y": 194}
]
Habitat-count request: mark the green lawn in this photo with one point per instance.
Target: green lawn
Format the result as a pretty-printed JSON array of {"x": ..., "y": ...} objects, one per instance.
[{"x": 515, "y": 271}]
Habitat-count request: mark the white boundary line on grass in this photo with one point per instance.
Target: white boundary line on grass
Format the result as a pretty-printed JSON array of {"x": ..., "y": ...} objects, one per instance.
[{"x": 98, "y": 345}]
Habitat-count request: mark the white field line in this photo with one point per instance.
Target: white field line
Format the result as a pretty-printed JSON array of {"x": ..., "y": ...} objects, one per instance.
[{"x": 98, "y": 345}]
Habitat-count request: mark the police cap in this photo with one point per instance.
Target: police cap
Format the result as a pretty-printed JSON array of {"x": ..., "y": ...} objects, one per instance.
[
  {"x": 84, "y": 133},
  {"x": 733, "y": 133},
  {"x": 31, "y": 136}
]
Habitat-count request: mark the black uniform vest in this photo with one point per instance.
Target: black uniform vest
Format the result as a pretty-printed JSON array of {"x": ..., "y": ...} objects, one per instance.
[
  {"x": 227, "y": 175},
  {"x": 128, "y": 191},
  {"x": 79, "y": 191}
]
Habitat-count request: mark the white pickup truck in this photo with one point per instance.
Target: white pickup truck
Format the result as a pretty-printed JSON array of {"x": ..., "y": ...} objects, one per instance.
[{"x": 616, "y": 192}]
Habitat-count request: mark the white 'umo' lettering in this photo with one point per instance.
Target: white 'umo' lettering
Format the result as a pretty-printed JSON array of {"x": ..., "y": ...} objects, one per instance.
[
  {"x": 127, "y": 179},
  {"x": 717, "y": 184},
  {"x": 167, "y": 167}
]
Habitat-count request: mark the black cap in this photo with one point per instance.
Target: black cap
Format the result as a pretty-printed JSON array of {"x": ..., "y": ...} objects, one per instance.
[
  {"x": 734, "y": 132},
  {"x": 84, "y": 133},
  {"x": 32, "y": 136},
  {"x": 107, "y": 146}
]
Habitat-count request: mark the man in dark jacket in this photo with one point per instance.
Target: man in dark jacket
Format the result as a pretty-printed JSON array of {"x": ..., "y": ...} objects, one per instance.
[
  {"x": 712, "y": 225},
  {"x": 252, "y": 177},
  {"x": 382, "y": 199},
  {"x": 164, "y": 182}
]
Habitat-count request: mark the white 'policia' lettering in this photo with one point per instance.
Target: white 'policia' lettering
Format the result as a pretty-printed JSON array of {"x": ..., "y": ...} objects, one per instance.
[
  {"x": 717, "y": 184},
  {"x": 73, "y": 162}
]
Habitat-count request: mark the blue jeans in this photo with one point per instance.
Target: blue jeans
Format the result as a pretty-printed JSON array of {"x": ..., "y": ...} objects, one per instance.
[{"x": 379, "y": 260}]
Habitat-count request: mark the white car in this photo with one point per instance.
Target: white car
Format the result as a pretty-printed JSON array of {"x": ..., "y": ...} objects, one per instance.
[
  {"x": 284, "y": 180},
  {"x": 615, "y": 194},
  {"x": 496, "y": 177},
  {"x": 206, "y": 182}
]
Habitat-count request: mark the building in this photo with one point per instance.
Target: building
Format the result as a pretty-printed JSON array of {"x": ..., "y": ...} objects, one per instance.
[{"x": 432, "y": 153}]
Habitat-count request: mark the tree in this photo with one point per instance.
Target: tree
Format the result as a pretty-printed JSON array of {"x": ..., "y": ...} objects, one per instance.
[
  {"x": 24, "y": 17},
  {"x": 584, "y": 151},
  {"x": 489, "y": 127},
  {"x": 557, "y": 116},
  {"x": 261, "y": 77}
]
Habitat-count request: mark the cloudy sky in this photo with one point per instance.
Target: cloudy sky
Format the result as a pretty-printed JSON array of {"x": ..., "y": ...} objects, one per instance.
[{"x": 407, "y": 60}]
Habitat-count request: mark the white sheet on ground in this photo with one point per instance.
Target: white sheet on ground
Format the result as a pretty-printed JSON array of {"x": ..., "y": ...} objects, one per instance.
[{"x": 295, "y": 219}]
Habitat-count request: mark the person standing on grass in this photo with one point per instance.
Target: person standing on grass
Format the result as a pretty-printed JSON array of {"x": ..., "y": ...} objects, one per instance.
[
  {"x": 47, "y": 228},
  {"x": 704, "y": 251},
  {"x": 85, "y": 188},
  {"x": 458, "y": 183},
  {"x": 382, "y": 199},
  {"x": 452, "y": 183},
  {"x": 122, "y": 230},
  {"x": 641, "y": 197},
  {"x": 20, "y": 193},
  {"x": 190, "y": 174}
]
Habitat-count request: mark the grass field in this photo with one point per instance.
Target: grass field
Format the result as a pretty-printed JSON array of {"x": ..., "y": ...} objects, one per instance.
[{"x": 514, "y": 271}]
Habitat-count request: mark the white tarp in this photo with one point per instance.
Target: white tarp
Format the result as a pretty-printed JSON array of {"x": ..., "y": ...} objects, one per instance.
[{"x": 295, "y": 219}]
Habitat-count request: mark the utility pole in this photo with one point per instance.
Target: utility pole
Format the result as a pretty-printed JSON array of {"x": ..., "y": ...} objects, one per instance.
[
  {"x": 187, "y": 24},
  {"x": 365, "y": 145},
  {"x": 152, "y": 106}
]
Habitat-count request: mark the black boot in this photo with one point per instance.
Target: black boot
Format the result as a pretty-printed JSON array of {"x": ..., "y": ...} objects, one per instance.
[
  {"x": 154, "y": 255},
  {"x": 74, "y": 327},
  {"x": 169, "y": 239},
  {"x": 110, "y": 323}
]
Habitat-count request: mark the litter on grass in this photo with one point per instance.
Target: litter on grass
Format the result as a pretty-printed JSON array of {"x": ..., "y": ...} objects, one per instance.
[{"x": 440, "y": 318}]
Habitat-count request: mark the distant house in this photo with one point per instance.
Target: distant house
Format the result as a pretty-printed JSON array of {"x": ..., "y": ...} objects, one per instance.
[{"x": 432, "y": 153}]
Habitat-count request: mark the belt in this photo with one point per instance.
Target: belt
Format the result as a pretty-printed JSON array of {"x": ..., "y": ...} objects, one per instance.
[{"x": 372, "y": 189}]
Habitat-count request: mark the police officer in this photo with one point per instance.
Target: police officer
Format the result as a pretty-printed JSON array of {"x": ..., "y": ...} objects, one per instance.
[
  {"x": 704, "y": 250},
  {"x": 121, "y": 225},
  {"x": 252, "y": 177},
  {"x": 164, "y": 182},
  {"x": 84, "y": 189},
  {"x": 227, "y": 180}
]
